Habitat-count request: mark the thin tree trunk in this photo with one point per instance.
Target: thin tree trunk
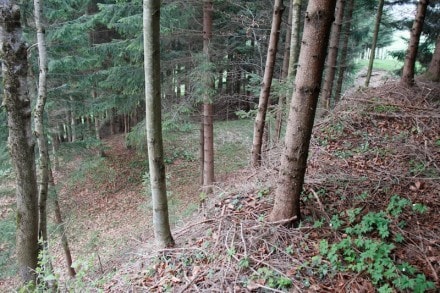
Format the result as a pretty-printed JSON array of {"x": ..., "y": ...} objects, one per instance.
[
  {"x": 302, "y": 110},
  {"x": 39, "y": 124},
  {"x": 60, "y": 223},
  {"x": 433, "y": 72},
  {"x": 411, "y": 53},
  {"x": 55, "y": 147},
  {"x": 343, "y": 57},
  {"x": 373, "y": 46},
  {"x": 21, "y": 146},
  {"x": 293, "y": 56},
  {"x": 202, "y": 151},
  {"x": 72, "y": 120},
  {"x": 263, "y": 102},
  {"x": 332, "y": 55},
  {"x": 68, "y": 129},
  {"x": 208, "y": 127},
  {"x": 284, "y": 72},
  {"x": 295, "y": 44},
  {"x": 151, "y": 30}
]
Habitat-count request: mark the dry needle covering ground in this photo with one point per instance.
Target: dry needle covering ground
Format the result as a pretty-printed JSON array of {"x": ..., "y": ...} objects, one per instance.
[{"x": 372, "y": 192}]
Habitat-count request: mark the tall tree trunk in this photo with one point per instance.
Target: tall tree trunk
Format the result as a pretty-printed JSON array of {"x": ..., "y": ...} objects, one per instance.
[
  {"x": 40, "y": 132},
  {"x": 151, "y": 28},
  {"x": 284, "y": 72},
  {"x": 21, "y": 145},
  {"x": 208, "y": 127},
  {"x": 343, "y": 56},
  {"x": 295, "y": 45},
  {"x": 319, "y": 16},
  {"x": 260, "y": 119},
  {"x": 373, "y": 46},
  {"x": 332, "y": 55},
  {"x": 411, "y": 53},
  {"x": 434, "y": 66}
]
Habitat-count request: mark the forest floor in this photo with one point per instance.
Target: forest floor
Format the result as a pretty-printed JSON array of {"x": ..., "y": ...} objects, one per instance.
[
  {"x": 370, "y": 208},
  {"x": 370, "y": 212}
]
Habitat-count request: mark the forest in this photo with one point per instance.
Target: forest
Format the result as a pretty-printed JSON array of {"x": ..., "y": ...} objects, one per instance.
[{"x": 220, "y": 146}]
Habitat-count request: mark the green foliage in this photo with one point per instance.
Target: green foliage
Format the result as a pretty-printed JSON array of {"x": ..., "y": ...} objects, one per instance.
[
  {"x": 244, "y": 262},
  {"x": 361, "y": 251},
  {"x": 396, "y": 205},
  {"x": 81, "y": 283},
  {"x": 7, "y": 244},
  {"x": 44, "y": 271},
  {"x": 137, "y": 138},
  {"x": 246, "y": 114},
  {"x": 93, "y": 168},
  {"x": 272, "y": 278}
]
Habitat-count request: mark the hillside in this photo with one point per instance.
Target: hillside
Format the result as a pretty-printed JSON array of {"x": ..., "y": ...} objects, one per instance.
[{"x": 370, "y": 208}]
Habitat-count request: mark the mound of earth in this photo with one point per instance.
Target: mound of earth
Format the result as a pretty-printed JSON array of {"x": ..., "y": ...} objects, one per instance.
[{"x": 370, "y": 211}]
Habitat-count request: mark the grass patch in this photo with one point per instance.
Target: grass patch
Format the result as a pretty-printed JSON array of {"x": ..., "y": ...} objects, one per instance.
[
  {"x": 232, "y": 141},
  {"x": 7, "y": 246},
  {"x": 390, "y": 65},
  {"x": 95, "y": 169}
]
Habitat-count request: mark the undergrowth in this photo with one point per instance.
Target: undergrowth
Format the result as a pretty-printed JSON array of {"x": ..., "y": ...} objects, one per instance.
[{"x": 365, "y": 243}]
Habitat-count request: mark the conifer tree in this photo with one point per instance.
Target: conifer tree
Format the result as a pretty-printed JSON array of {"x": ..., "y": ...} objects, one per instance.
[
  {"x": 263, "y": 100},
  {"x": 319, "y": 17},
  {"x": 434, "y": 66},
  {"x": 332, "y": 56},
  {"x": 208, "y": 111},
  {"x": 416, "y": 31},
  {"x": 374, "y": 43}
]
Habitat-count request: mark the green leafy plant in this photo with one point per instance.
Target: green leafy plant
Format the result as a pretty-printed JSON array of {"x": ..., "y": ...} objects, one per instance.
[
  {"x": 244, "y": 262},
  {"x": 272, "y": 279},
  {"x": 361, "y": 250},
  {"x": 396, "y": 205}
]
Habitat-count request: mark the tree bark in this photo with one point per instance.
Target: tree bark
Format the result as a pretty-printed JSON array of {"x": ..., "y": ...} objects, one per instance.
[
  {"x": 267, "y": 83},
  {"x": 332, "y": 55},
  {"x": 151, "y": 30},
  {"x": 21, "y": 146},
  {"x": 373, "y": 46},
  {"x": 40, "y": 132},
  {"x": 284, "y": 73},
  {"x": 208, "y": 127},
  {"x": 411, "y": 53},
  {"x": 343, "y": 57},
  {"x": 295, "y": 44},
  {"x": 319, "y": 16},
  {"x": 434, "y": 66}
]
